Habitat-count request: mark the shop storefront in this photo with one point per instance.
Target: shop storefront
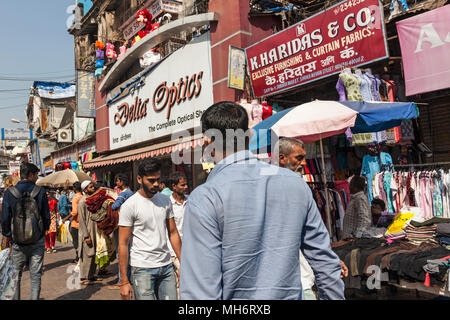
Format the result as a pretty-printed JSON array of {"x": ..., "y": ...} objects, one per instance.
[
  {"x": 74, "y": 156},
  {"x": 348, "y": 53},
  {"x": 160, "y": 117}
]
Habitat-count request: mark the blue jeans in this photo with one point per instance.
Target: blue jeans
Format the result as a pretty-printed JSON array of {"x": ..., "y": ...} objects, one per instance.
[
  {"x": 34, "y": 255},
  {"x": 154, "y": 283}
]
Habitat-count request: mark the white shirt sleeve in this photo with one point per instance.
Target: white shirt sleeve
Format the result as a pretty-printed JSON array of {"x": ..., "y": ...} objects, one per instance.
[
  {"x": 126, "y": 216},
  {"x": 170, "y": 210}
]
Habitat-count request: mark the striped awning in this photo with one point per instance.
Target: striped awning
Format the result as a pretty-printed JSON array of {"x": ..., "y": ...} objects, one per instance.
[{"x": 145, "y": 152}]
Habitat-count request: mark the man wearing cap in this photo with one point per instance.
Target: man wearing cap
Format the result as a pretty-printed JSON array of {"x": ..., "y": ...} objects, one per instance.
[{"x": 87, "y": 237}]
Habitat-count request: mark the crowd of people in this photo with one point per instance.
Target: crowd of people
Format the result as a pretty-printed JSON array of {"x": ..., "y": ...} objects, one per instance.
[{"x": 243, "y": 234}]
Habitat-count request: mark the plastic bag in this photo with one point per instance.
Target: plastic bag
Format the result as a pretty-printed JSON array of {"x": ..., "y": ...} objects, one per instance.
[
  {"x": 149, "y": 58},
  {"x": 8, "y": 276},
  {"x": 64, "y": 235},
  {"x": 399, "y": 222}
]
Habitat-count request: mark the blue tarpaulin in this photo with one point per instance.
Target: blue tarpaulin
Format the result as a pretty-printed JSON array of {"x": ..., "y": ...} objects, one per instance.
[
  {"x": 55, "y": 90},
  {"x": 377, "y": 116}
]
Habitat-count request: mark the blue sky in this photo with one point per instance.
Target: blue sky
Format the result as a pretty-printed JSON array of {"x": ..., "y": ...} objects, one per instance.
[{"x": 35, "y": 46}]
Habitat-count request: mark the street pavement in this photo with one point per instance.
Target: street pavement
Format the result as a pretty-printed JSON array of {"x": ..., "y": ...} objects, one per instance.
[{"x": 58, "y": 279}]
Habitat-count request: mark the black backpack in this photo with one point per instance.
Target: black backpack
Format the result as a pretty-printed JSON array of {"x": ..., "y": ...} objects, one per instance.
[{"x": 27, "y": 225}]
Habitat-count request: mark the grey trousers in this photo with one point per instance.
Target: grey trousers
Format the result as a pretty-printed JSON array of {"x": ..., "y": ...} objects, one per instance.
[{"x": 87, "y": 266}]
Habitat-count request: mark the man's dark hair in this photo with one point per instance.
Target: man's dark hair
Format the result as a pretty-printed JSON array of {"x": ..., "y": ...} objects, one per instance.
[
  {"x": 380, "y": 203},
  {"x": 225, "y": 115},
  {"x": 27, "y": 169},
  {"x": 77, "y": 186},
  {"x": 123, "y": 177},
  {"x": 358, "y": 182},
  {"x": 175, "y": 179},
  {"x": 148, "y": 166}
]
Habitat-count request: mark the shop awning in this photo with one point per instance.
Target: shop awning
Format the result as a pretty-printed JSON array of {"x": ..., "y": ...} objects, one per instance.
[{"x": 145, "y": 152}]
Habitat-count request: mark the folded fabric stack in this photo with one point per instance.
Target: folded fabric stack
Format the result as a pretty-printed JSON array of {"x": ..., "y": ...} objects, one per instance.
[
  {"x": 395, "y": 236},
  {"x": 443, "y": 234},
  {"x": 418, "y": 235}
]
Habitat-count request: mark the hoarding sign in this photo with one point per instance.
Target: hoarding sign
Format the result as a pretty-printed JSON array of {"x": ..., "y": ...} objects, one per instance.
[
  {"x": 348, "y": 34},
  {"x": 425, "y": 43},
  {"x": 85, "y": 94},
  {"x": 172, "y": 99},
  {"x": 17, "y": 134},
  {"x": 236, "y": 68}
]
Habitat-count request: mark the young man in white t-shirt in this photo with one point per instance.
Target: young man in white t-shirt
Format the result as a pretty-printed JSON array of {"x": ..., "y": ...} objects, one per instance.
[
  {"x": 179, "y": 186},
  {"x": 145, "y": 219}
]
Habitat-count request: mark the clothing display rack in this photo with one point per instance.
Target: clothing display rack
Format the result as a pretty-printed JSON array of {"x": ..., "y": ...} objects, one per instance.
[{"x": 434, "y": 164}]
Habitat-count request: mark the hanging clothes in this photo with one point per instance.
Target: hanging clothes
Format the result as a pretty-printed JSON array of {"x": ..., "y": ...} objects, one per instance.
[
  {"x": 267, "y": 110},
  {"x": 257, "y": 112},
  {"x": 371, "y": 166},
  {"x": 352, "y": 85}
]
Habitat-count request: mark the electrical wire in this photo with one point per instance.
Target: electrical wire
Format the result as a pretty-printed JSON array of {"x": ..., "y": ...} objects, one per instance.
[{"x": 15, "y": 106}]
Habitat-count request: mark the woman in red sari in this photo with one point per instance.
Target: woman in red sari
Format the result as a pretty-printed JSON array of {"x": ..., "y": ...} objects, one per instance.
[{"x": 50, "y": 235}]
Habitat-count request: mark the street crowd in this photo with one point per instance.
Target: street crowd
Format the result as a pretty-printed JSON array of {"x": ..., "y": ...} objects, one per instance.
[{"x": 251, "y": 231}]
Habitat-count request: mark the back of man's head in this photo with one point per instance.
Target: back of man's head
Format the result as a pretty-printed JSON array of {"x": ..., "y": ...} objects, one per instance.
[
  {"x": 77, "y": 186},
  {"x": 27, "y": 169},
  {"x": 357, "y": 184},
  {"x": 223, "y": 116}
]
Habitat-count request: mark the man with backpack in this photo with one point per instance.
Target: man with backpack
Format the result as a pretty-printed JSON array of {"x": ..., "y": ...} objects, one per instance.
[{"x": 25, "y": 219}]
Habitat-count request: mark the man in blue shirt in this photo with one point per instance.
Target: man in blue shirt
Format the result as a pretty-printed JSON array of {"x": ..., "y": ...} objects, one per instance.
[
  {"x": 244, "y": 228},
  {"x": 31, "y": 253},
  {"x": 123, "y": 184},
  {"x": 63, "y": 205}
]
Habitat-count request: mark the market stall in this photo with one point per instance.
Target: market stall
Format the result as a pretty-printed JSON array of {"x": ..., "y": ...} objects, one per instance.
[{"x": 321, "y": 119}]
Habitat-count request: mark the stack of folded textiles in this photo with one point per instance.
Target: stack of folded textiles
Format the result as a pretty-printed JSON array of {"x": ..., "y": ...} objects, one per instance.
[
  {"x": 395, "y": 235},
  {"x": 443, "y": 234},
  {"x": 418, "y": 235}
]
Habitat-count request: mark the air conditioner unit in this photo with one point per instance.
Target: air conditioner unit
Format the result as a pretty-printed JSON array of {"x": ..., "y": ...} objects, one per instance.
[{"x": 64, "y": 135}]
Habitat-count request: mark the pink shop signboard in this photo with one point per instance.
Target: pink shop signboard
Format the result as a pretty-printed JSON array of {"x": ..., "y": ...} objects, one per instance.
[{"x": 425, "y": 43}]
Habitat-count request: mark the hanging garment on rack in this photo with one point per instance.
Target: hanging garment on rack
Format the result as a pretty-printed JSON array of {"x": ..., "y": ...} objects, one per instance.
[
  {"x": 352, "y": 85},
  {"x": 391, "y": 189},
  {"x": 374, "y": 87},
  {"x": 267, "y": 110},
  {"x": 371, "y": 166},
  {"x": 407, "y": 131},
  {"x": 437, "y": 195},
  {"x": 340, "y": 87},
  {"x": 362, "y": 139},
  {"x": 365, "y": 86},
  {"x": 257, "y": 112},
  {"x": 445, "y": 193},
  {"x": 249, "y": 108}
]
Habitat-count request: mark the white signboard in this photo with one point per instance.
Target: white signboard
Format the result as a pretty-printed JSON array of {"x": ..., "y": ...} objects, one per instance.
[
  {"x": 16, "y": 134},
  {"x": 14, "y": 168},
  {"x": 173, "y": 98}
]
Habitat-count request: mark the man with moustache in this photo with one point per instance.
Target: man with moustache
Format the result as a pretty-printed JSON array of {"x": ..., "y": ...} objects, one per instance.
[
  {"x": 147, "y": 218},
  {"x": 292, "y": 155}
]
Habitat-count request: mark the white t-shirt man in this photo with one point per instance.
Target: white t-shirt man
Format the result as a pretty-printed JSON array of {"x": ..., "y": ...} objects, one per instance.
[
  {"x": 178, "y": 216},
  {"x": 148, "y": 240}
]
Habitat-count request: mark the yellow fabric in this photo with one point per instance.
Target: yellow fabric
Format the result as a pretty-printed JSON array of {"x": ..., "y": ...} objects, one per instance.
[
  {"x": 208, "y": 166},
  {"x": 64, "y": 235},
  {"x": 104, "y": 253},
  {"x": 399, "y": 222}
]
